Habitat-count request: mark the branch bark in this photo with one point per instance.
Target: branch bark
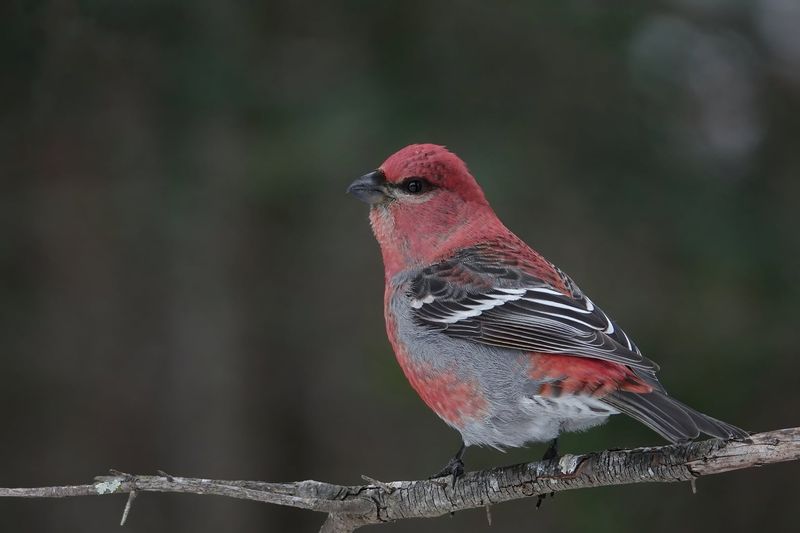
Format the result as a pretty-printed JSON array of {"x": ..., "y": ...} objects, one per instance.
[{"x": 350, "y": 507}]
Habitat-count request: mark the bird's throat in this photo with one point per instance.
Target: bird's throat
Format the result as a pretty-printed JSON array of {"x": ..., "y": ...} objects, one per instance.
[{"x": 412, "y": 239}]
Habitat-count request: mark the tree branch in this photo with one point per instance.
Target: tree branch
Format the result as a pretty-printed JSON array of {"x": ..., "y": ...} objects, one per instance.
[{"x": 350, "y": 507}]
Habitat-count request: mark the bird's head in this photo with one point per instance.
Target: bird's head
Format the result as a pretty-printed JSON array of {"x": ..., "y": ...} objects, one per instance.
[
  {"x": 423, "y": 202},
  {"x": 415, "y": 175}
]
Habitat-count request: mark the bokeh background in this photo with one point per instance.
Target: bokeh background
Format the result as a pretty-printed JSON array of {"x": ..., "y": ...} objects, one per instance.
[{"x": 186, "y": 287}]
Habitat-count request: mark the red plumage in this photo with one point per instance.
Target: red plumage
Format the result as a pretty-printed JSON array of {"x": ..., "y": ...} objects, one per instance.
[{"x": 567, "y": 374}]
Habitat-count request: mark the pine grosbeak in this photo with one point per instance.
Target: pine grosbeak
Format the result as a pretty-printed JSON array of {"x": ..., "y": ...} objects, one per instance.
[{"x": 498, "y": 341}]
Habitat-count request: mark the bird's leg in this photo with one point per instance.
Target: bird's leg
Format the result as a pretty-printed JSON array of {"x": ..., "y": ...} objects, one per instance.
[
  {"x": 455, "y": 467},
  {"x": 552, "y": 451},
  {"x": 549, "y": 454}
]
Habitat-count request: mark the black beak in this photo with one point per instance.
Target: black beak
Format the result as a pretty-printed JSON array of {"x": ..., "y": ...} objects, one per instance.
[{"x": 369, "y": 188}]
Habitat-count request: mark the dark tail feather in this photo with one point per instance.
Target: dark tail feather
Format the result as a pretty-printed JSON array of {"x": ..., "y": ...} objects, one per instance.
[
  {"x": 670, "y": 418},
  {"x": 712, "y": 426},
  {"x": 656, "y": 411}
]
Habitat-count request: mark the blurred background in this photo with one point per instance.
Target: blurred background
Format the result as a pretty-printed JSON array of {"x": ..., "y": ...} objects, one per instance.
[{"x": 186, "y": 287}]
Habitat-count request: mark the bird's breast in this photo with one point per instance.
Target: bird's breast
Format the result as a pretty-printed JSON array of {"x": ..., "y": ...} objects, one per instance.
[{"x": 434, "y": 369}]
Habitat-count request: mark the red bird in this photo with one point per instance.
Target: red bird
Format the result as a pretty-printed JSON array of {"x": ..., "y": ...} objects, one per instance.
[{"x": 498, "y": 341}]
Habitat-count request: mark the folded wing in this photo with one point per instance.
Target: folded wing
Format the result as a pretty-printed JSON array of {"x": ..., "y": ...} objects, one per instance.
[{"x": 479, "y": 298}]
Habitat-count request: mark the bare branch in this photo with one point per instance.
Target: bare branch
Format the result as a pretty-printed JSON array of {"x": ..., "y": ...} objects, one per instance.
[{"x": 350, "y": 507}]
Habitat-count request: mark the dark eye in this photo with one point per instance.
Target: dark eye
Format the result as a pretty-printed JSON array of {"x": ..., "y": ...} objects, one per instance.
[{"x": 415, "y": 185}]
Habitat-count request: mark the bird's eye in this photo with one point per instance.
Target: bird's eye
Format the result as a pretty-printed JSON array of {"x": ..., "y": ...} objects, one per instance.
[{"x": 415, "y": 185}]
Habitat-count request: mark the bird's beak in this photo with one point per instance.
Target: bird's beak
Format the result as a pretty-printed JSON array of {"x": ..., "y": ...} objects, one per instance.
[{"x": 370, "y": 188}]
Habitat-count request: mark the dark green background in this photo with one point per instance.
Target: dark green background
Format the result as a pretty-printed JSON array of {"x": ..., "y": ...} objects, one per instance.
[{"x": 186, "y": 287}]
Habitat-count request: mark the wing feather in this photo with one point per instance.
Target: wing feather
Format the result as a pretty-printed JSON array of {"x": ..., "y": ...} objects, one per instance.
[{"x": 489, "y": 301}]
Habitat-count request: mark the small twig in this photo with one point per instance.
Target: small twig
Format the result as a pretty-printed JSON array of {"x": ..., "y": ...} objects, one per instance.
[
  {"x": 385, "y": 486},
  {"x": 488, "y": 514},
  {"x": 123, "y": 475},
  {"x": 165, "y": 475},
  {"x": 131, "y": 497}
]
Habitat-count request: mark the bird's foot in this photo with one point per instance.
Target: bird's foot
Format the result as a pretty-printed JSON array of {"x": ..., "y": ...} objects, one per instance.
[
  {"x": 552, "y": 451},
  {"x": 454, "y": 469},
  {"x": 549, "y": 455},
  {"x": 541, "y": 497}
]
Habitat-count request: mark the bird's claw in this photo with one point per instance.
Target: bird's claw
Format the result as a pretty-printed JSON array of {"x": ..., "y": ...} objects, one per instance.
[
  {"x": 541, "y": 497},
  {"x": 552, "y": 451},
  {"x": 454, "y": 469},
  {"x": 551, "y": 454}
]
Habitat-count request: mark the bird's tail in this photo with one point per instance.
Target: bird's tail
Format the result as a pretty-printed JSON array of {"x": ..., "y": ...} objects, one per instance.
[{"x": 673, "y": 420}]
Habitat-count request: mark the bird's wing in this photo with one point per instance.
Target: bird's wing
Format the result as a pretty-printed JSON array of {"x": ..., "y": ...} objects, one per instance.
[{"x": 503, "y": 301}]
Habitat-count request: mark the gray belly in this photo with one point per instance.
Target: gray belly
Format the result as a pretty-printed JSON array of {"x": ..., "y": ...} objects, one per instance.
[{"x": 535, "y": 419}]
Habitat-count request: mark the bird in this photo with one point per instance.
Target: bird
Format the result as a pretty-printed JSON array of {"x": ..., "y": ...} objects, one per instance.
[{"x": 499, "y": 342}]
